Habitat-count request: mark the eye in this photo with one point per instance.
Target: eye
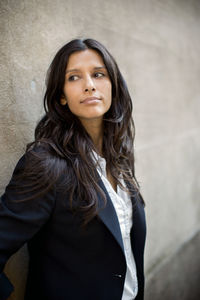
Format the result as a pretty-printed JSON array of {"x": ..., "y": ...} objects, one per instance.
[
  {"x": 73, "y": 77},
  {"x": 99, "y": 74}
]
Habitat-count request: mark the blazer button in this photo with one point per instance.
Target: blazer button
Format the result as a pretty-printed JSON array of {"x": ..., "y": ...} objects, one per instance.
[{"x": 118, "y": 275}]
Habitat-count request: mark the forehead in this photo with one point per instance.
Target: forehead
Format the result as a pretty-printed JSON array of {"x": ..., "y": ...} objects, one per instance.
[{"x": 84, "y": 58}]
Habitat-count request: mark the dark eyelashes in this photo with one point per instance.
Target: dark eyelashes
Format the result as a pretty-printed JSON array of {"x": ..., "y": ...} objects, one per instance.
[
  {"x": 71, "y": 78},
  {"x": 96, "y": 75}
]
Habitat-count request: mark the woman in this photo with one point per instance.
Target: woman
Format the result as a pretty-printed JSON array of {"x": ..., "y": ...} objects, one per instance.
[{"x": 73, "y": 195}]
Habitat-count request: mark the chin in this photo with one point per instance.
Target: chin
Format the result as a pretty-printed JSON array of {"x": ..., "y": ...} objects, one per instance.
[{"x": 93, "y": 115}]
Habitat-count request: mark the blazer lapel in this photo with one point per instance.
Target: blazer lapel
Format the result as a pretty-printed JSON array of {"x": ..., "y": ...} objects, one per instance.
[{"x": 109, "y": 217}]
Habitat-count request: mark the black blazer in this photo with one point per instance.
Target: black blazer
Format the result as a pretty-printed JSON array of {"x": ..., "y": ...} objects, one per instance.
[{"x": 67, "y": 261}]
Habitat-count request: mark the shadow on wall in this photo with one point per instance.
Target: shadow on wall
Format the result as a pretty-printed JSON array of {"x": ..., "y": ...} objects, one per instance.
[{"x": 178, "y": 278}]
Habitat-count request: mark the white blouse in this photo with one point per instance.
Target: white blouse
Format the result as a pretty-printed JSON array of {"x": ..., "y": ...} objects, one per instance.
[{"x": 123, "y": 207}]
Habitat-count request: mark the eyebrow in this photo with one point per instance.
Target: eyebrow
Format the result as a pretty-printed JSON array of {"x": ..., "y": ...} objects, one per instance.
[{"x": 77, "y": 70}]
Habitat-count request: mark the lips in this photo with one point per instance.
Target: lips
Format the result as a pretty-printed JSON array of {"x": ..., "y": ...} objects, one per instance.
[{"x": 90, "y": 100}]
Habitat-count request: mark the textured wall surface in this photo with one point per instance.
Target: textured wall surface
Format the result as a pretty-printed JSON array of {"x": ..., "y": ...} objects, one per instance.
[
  {"x": 178, "y": 276},
  {"x": 156, "y": 44}
]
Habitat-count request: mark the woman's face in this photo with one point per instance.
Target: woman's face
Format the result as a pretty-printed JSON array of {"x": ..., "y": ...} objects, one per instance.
[{"x": 87, "y": 88}]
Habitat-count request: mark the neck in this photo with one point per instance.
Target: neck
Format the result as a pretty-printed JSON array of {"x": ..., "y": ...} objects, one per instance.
[{"x": 94, "y": 128}]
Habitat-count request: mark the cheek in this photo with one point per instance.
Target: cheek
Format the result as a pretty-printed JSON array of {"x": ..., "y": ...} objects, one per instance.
[
  {"x": 69, "y": 93},
  {"x": 109, "y": 92},
  {"x": 106, "y": 88},
  {"x": 72, "y": 104},
  {"x": 73, "y": 90}
]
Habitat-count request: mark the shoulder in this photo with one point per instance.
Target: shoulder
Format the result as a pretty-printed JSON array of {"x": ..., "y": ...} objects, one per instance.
[
  {"x": 31, "y": 157},
  {"x": 39, "y": 163},
  {"x": 43, "y": 154},
  {"x": 46, "y": 160}
]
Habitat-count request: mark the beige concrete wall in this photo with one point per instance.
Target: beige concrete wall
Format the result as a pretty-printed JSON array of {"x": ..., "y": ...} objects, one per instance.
[{"x": 157, "y": 46}]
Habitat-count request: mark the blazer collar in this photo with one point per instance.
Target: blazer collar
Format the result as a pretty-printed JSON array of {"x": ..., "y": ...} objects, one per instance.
[{"x": 108, "y": 216}]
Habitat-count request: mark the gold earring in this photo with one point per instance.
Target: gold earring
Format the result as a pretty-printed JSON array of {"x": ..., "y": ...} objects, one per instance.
[{"x": 63, "y": 100}]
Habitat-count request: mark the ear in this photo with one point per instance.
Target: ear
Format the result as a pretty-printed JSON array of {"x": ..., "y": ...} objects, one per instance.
[{"x": 63, "y": 100}]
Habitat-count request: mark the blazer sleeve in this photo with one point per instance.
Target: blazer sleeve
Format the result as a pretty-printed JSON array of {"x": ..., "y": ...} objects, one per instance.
[{"x": 19, "y": 220}]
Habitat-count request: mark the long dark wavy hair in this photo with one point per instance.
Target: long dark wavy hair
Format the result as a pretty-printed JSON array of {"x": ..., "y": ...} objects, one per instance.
[{"x": 62, "y": 152}]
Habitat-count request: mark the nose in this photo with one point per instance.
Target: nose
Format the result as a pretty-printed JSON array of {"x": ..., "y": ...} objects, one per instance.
[{"x": 89, "y": 84}]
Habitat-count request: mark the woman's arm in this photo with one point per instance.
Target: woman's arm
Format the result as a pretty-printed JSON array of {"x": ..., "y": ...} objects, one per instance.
[{"x": 19, "y": 220}]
